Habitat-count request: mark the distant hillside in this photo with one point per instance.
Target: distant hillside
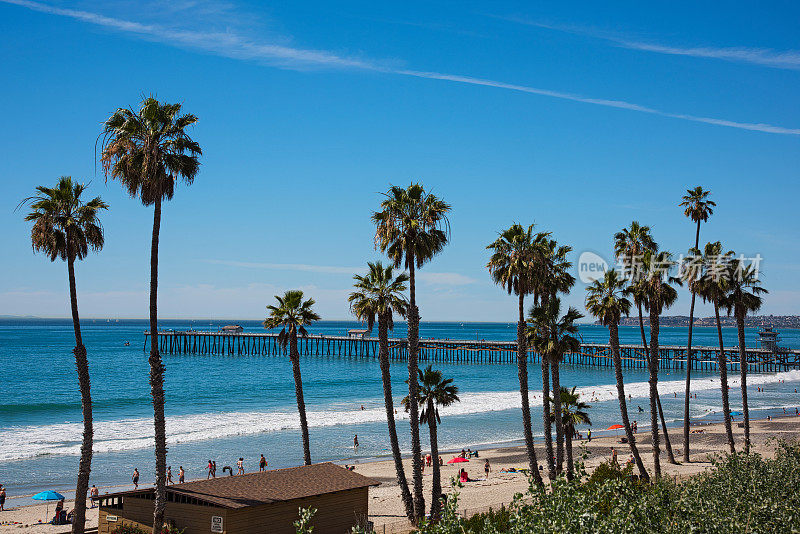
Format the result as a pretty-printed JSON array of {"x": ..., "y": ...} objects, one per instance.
[{"x": 778, "y": 321}]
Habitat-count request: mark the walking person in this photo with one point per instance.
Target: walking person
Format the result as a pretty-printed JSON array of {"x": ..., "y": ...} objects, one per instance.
[
  {"x": 181, "y": 475},
  {"x": 2, "y": 497},
  {"x": 589, "y": 434},
  {"x": 355, "y": 443},
  {"x": 487, "y": 468},
  {"x": 135, "y": 478},
  {"x": 262, "y": 464},
  {"x": 213, "y": 469},
  {"x": 240, "y": 465},
  {"x": 210, "y": 468},
  {"x": 169, "y": 475},
  {"x": 93, "y": 494}
]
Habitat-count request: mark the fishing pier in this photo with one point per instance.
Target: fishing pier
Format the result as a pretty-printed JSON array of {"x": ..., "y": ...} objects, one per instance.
[{"x": 462, "y": 351}]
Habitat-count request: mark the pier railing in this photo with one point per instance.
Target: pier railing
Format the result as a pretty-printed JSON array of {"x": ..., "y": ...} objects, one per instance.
[{"x": 461, "y": 351}]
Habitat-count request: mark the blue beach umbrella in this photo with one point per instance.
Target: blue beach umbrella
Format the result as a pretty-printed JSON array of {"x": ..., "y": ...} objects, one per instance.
[{"x": 48, "y": 496}]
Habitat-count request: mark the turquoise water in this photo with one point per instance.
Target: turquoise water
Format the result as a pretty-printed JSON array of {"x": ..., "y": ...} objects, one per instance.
[{"x": 224, "y": 407}]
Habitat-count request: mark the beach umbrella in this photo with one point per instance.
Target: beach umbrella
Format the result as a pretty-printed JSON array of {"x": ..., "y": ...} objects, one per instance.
[
  {"x": 457, "y": 460},
  {"x": 48, "y": 496}
]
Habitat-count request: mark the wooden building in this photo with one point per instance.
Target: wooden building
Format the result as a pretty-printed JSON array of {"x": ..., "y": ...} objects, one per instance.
[
  {"x": 232, "y": 329},
  {"x": 257, "y": 502}
]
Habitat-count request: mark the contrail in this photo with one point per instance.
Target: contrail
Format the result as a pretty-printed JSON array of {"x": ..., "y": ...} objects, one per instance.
[{"x": 237, "y": 47}]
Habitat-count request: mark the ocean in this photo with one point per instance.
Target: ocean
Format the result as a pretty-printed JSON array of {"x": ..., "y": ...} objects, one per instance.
[{"x": 224, "y": 407}]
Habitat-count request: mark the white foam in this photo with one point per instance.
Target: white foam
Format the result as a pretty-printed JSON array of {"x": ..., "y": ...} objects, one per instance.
[{"x": 137, "y": 433}]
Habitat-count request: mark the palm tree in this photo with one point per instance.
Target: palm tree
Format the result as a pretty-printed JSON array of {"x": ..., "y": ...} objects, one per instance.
[
  {"x": 411, "y": 228},
  {"x": 435, "y": 392},
  {"x": 698, "y": 207},
  {"x": 713, "y": 287},
  {"x": 65, "y": 227},
  {"x": 553, "y": 335},
  {"x": 605, "y": 300},
  {"x": 555, "y": 278},
  {"x": 513, "y": 265},
  {"x": 573, "y": 413},
  {"x": 659, "y": 295},
  {"x": 379, "y": 295},
  {"x": 630, "y": 246},
  {"x": 743, "y": 297},
  {"x": 148, "y": 151},
  {"x": 292, "y": 314}
]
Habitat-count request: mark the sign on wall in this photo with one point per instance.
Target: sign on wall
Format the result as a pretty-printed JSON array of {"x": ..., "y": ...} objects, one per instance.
[
  {"x": 216, "y": 523},
  {"x": 111, "y": 518}
]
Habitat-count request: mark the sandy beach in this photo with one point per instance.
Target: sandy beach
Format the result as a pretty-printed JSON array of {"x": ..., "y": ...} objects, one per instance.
[{"x": 386, "y": 508}]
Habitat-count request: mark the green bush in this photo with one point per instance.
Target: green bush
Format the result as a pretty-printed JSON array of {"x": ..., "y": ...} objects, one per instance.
[{"x": 740, "y": 493}]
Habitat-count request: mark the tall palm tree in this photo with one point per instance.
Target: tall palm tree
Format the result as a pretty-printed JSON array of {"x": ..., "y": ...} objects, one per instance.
[
  {"x": 434, "y": 392},
  {"x": 65, "y": 227},
  {"x": 411, "y": 228},
  {"x": 713, "y": 288},
  {"x": 556, "y": 278},
  {"x": 148, "y": 150},
  {"x": 513, "y": 265},
  {"x": 573, "y": 413},
  {"x": 292, "y": 314},
  {"x": 698, "y": 207},
  {"x": 553, "y": 335},
  {"x": 659, "y": 296},
  {"x": 744, "y": 297},
  {"x": 379, "y": 295},
  {"x": 630, "y": 246},
  {"x": 605, "y": 300}
]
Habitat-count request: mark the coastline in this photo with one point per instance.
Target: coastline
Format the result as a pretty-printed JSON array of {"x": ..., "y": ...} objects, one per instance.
[{"x": 499, "y": 489}]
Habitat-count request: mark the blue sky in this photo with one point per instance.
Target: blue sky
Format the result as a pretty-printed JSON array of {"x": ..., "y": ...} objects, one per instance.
[{"x": 579, "y": 117}]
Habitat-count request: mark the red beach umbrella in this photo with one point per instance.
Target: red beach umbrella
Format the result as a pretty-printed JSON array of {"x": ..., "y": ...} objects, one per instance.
[
  {"x": 615, "y": 427},
  {"x": 457, "y": 460}
]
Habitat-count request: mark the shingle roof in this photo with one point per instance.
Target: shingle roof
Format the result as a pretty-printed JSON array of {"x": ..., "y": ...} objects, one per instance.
[{"x": 267, "y": 487}]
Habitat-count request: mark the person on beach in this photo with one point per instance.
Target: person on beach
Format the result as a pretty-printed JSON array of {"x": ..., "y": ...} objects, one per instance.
[
  {"x": 2, "y": 497},
  {"x": 209, "y": 467},
  {"x": 181, "y": 475},
  {"x": 213, "y": 469},
  {"x": 614, "y": 456},
  {"x": 93, "y": 494},
  {"x": 135, "y": 478},
  {"x": 635, "y": 426},
  {"x": 262, "y": 464},
  {"x": 441, "y": 461},
  {"x": 240, "y": 466},
  {"x": 589, "y": 435},
  {"x": 355, "y": 443},
  {"x": 169, "y": 475},
  {"x": 487, "y": 468}
]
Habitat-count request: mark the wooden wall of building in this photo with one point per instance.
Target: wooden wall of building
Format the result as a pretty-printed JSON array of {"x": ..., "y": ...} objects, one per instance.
[{"x": 336, "y": 514}]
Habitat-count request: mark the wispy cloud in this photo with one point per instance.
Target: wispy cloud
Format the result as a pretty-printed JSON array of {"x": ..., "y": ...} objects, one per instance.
[
  {"x": 427, "y": 277},
  {"x": 766, "y": 57},
  {"x": 332, "y": 269},
  {"x": 235, "y": 46}
]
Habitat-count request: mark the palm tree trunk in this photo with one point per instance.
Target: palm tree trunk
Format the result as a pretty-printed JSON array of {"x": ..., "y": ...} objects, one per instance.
[
  {"x": 294, "y": 356},
  {"x": 667, "y": 443},
  {"x": 413, "y": 392},
  {"x": 548, "y": 426},
  {"x": 554, "y": 369},
  {"x": 623, "y": 406},
  {"x": 723, "y": 383},
  {"x": 653, "y": 363},
  {"x": 522, "y": 374},
  {"x": 436, "y": 483},
  {"x": 157, "y": 381},
  {"x": 687, "y": 394},
  {"x": 383, "y": 359},
  {"x": 568, "y": 432},
  {"x": 743, "y": 372},
  {"x": 82, "y": 364}
]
